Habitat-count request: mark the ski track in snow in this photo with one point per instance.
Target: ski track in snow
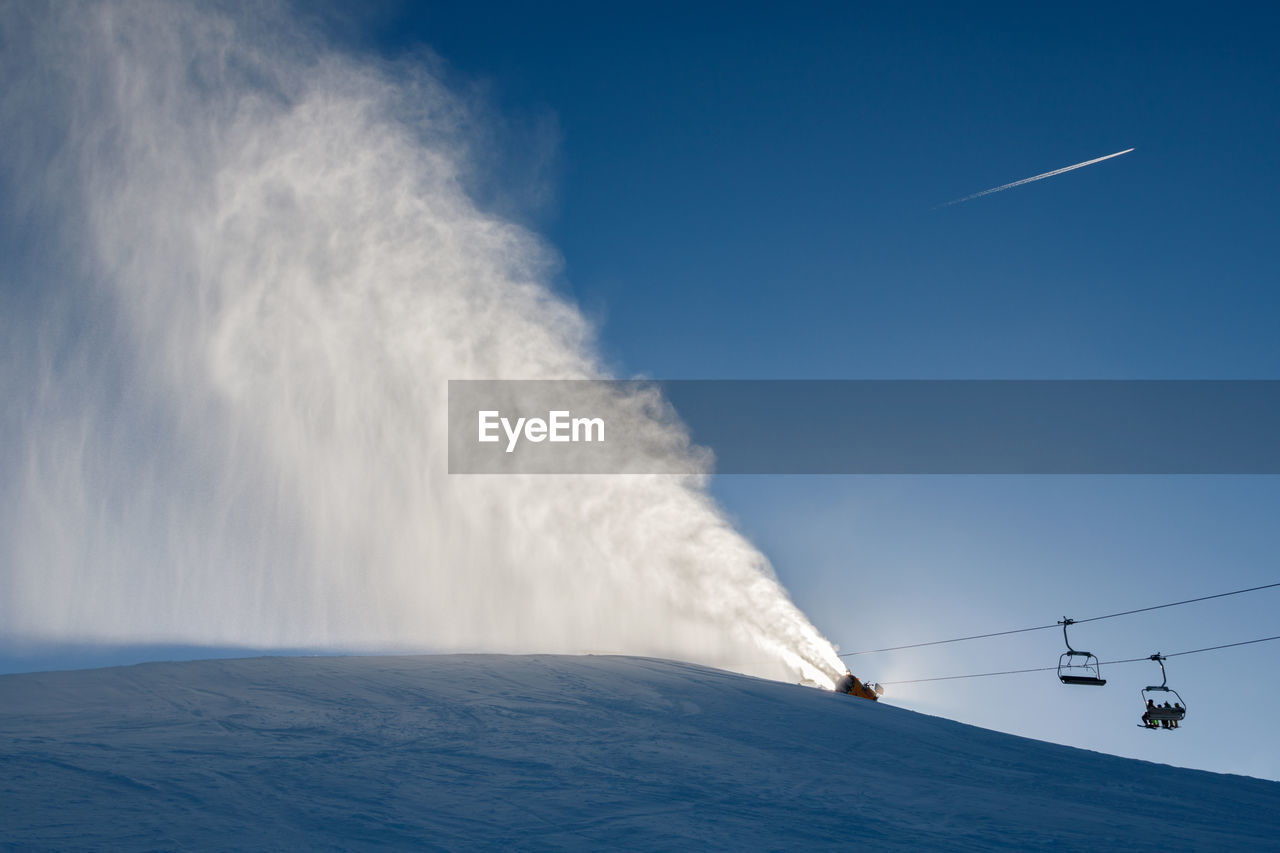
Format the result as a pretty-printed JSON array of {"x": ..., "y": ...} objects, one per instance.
[{"x": 539, "y": 752}]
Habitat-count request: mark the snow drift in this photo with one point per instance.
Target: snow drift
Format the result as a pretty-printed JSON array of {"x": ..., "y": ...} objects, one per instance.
[
  {"x": 552, "y": 752},
  {"x": 244, "y": 267}
]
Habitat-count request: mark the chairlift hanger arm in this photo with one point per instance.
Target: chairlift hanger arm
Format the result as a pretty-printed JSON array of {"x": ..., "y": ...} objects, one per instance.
[
  {"x": 1164, "y": 678},
  {"x": 1064, "y": 623}
]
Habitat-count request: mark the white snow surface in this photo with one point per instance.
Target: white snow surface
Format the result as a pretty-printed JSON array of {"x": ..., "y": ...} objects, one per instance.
[{"x": 558, "y": 752}]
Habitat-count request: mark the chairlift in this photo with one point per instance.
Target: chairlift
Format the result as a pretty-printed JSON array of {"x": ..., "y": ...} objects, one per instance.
[
  {"x": 1076, "y": 667},
  {"x": 1156, "y": 716}
]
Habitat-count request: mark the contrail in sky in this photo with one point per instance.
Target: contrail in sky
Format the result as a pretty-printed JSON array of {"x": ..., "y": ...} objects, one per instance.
[{"x": 1036, "y": 178}]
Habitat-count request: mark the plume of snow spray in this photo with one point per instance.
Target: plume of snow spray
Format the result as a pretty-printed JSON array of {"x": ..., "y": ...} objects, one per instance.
[{"x": 226, "y": 365}]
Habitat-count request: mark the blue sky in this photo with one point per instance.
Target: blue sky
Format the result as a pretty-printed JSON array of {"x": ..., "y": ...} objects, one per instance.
[
  {"x": 750, "y": 194},
  {"x": 744, "y": 193}
]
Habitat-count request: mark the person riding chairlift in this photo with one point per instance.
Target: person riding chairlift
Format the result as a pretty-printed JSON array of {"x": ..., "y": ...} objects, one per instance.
[{"x": 1146, "y": 715}]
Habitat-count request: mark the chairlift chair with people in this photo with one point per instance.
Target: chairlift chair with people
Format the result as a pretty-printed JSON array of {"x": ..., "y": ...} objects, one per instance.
[{"x": 1155, "y": 715}]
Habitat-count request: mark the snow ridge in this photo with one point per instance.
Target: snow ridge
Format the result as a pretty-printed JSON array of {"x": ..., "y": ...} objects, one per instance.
[{"x": 539, "y": 752}]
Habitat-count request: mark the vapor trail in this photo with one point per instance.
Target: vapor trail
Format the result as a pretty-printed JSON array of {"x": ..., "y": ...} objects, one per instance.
[{"x": 1035, "y": 178}]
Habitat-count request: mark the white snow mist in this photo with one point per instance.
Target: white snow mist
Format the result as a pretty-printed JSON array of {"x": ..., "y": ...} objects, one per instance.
[{"x": 244, "y": 267}]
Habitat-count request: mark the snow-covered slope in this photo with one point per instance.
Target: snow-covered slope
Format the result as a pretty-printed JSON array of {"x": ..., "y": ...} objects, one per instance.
[{"x": 553, "y": 752}]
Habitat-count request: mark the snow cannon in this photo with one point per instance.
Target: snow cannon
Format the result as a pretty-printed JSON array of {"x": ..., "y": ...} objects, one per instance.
[{"x": 850, "y": 684}]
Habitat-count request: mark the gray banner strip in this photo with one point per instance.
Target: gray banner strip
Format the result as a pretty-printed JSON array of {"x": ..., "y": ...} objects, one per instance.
[{"x": 865, "y": 427}]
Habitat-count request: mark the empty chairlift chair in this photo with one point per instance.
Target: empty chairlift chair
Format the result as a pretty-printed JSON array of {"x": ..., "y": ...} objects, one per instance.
[{"x": 1078, "y": 667}]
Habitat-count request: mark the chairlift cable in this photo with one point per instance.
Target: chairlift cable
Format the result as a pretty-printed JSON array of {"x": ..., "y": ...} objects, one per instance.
[
  {"x": 1226, "y": 646},
  {"x": 1055, "y": 624},
  {"x": 1176, "y": 603},
  {"x": 953, "y": 640},
  {"x": 971, "y": 675},
  {"x": 1104, "y": 663}
]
